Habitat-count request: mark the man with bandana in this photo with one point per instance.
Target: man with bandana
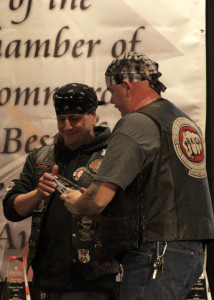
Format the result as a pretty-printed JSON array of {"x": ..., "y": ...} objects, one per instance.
[
  {"x": 151, "y": 188},
  {"x": 65, "y": 250}
]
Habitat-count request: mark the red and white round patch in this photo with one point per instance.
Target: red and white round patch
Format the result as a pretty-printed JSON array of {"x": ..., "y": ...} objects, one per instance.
[
  {"x": 78, "y": 173},
  {"x": 95, "y": 165},
  {"x": 188, "y": 145}
]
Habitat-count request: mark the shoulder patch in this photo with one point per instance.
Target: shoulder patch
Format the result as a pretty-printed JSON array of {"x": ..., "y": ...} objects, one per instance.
[
  {"x": 188, "y": 145},
  {"x": 95, "y": 165}
]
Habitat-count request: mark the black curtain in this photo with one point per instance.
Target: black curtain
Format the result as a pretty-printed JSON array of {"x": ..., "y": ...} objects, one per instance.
[{"x": 210, "y": 126}]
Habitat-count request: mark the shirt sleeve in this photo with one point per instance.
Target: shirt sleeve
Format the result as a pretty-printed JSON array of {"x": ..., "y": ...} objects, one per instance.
[
  {"x": 134, "y": 143},
  {"x": 18, "y": 186}
]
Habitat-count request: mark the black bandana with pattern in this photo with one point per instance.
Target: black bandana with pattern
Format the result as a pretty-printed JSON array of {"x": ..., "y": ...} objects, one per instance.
[
  {"x": 75, "y": 98},
  {"x": 131, "y": 66}
]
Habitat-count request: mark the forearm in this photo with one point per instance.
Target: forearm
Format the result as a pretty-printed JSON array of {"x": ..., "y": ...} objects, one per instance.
[
  {"x": 86, "y": 204},
  {"x": 92, "y": 202},
  {"x": 25, "y": 203}
]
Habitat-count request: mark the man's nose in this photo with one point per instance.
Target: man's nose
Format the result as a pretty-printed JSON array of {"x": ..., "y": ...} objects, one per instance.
[{"x": 68, "y": 125}]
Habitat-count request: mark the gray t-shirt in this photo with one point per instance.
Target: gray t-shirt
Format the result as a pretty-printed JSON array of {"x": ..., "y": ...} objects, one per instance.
[{"x": 134, "y": 143}]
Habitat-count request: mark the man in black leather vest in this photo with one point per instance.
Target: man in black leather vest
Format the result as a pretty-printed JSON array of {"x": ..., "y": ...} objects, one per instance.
[
  {"x": 65, "y": 251},
  {"x": 151, "y": 188}
]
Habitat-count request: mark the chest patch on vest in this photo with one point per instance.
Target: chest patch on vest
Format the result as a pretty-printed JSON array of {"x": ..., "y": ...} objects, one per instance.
[
  {"x": 78, "y": 173},
  {"x": 188, "y": 145},
  {"x": 42, "y": 166},
  {"x": 86, "y": 229},
  {"x": 84, "y": 255}
]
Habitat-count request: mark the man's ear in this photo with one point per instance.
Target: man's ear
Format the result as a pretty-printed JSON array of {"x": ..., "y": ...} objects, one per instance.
[
  {"x": 127, "y": 85},
  {"x": 95, "y": 118}
]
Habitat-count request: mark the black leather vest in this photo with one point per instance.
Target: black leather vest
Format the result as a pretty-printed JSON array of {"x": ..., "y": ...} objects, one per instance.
[
  {"x": 176, "y": 203},
  {"x": 87, "y": 250},
  {"x": 170, "y": 200},
  {"x": 44, "y": 163}
]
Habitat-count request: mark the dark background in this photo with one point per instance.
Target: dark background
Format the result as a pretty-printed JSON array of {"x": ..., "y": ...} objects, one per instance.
[{"x": 210, "y": 125}]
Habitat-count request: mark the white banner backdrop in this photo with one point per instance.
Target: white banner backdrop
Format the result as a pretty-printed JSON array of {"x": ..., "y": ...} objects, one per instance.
[{"x": 45, "y": 44}]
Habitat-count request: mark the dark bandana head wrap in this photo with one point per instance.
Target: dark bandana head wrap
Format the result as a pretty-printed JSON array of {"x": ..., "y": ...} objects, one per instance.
[
  {"x": 131, "y": 66},
  {"x": 75, "y": 98}
]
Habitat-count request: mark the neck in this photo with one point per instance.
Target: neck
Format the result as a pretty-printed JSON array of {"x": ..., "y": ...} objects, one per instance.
[
  {"x": 143, "y": 95},
  {"x": 80, "y": 144},
  {"x": 145, "y": 102}
]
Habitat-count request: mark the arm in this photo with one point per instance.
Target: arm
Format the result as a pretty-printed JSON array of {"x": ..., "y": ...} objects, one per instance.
[
  {"x": 21, "y": 196},
  {"x": 25, "y": 203},
  {"x": 92, "y": 201}
]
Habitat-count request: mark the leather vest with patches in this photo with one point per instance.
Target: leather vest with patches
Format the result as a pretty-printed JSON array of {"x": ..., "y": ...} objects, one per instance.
[
  {"x": 87, "y": 249},
  {"x": 171, "y": 197}
]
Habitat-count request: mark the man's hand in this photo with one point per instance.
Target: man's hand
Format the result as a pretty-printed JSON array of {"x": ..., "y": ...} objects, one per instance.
[
  {"x": 46, "y": 185},
  {"x": 71, "y": 198},
  {"x": 90, "y": 201},
  {"x": 25, "y": 203}
]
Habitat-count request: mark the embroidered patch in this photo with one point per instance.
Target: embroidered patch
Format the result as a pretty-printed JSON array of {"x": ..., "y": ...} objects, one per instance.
[
  {"x": 188, "y": 145},
  {"x": 103, "y": 153},
  {"x": 83, "y": 255},
  {"x": 95, "y": 165},
  {"x": 40, "y": 206},
  {"x": 10, "y": 187},
  {"x": 42, "y": 166},
  {"x": 78, "y": 173},
  {"x": 86, "y": 228}
]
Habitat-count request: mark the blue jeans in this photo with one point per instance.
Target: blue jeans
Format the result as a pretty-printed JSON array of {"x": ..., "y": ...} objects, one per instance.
[
  {"x": 183, "y": 265},
  {"x": 79, "y": 296}
]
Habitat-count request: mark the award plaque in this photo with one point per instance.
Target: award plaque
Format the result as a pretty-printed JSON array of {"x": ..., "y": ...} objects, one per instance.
[
  {"x": 199, "y": 290},
  {"x": 16, "y": 285}
]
